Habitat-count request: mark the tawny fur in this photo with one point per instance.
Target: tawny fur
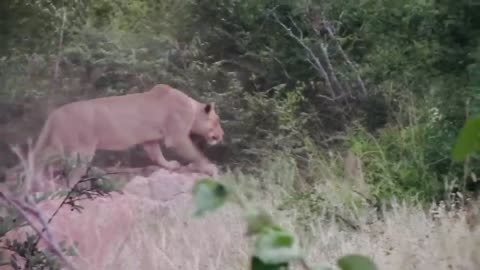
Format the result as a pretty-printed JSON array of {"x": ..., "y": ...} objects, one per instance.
[{"x": 162, "y": 115}]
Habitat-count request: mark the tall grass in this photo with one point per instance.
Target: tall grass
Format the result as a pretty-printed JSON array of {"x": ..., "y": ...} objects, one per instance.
[
  {"x": 328, "y": 216},
  {"x": 406, "y": 236}
]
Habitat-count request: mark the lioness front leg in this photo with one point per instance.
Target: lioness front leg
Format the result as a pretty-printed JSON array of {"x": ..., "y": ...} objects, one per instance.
[
  {"x": 198, "y": 162},
  {"x": 155, "y": 154}
]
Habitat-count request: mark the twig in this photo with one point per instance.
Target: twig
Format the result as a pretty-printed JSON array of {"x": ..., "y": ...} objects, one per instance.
[
  {"x": 28, "y": 166},
  {"x": 54, "y": 214},
  {"x": 329, "y": 69},
  {"x": 27, "y": 210},
  {"x": 312, "y": 58},
  {"x": 68, "y": 197},
  {"x": 345, "y": 56},
  {"x": 60, "y": 48},
  {"x": 282, "y": 66}
]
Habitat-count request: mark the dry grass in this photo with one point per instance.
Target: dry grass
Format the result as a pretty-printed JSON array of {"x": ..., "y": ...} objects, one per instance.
[
  {"x": 407, "y": 238},
  {"x": 164, "y": 235}
]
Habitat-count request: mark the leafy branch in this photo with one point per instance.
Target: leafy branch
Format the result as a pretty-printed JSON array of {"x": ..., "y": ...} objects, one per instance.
[
  {"x": 24, "y": 212},
  {"x": 33, "y": 216}
]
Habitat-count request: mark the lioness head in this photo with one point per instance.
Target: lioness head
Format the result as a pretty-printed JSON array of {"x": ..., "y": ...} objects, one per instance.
[{"x": 208, "y": 125}]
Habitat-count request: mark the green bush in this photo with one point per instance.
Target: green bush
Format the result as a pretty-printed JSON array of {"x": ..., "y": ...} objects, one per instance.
[
  {"x": 396, "y": 164},
  {"x": 259, "y": 61}
]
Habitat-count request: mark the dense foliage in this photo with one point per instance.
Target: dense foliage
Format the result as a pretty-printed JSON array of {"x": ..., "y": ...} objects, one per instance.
[{"x": 391, "y": 80}]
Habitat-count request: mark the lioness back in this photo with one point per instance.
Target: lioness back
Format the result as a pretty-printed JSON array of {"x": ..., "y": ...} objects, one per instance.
[{"x": 118, "y": 122}]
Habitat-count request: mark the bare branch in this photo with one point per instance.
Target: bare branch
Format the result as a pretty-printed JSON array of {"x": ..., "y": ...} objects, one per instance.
[
  {"x": 56, "y": 72},
  {"x": 28, "y": 166},
  {"x": 300, "y": 32},
  {"x": 344, "y": 55},
  {"x": 329, "y": 69},
  {"x": 28, "y": 210},
  {"x": 282, "y": 66},
  {"x": 310, "y": 54},
  {"x": 331, "y": 99}
]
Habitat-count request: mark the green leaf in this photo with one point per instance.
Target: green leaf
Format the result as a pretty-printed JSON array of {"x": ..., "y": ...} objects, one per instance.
[
  {"x": 208, "y": 196},
  {"x": 356, "y": 262},
  {"x": 468, "y": 139},
  {"x": 275, "y": 246},
  {"x": 257, "y": 264}
]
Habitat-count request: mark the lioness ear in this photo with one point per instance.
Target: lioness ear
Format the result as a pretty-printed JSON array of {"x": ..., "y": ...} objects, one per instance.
[{"x": 209, "y": 107}]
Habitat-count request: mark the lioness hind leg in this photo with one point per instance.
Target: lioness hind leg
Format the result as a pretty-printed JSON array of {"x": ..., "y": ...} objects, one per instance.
[{"x": 155, "y": 154}]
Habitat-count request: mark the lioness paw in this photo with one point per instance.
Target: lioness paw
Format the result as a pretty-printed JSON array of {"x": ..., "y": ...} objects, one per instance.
[
  {"x": 171, "y": 165},
  {"x": 207, "y": 168},
  {"x": 211, "y": 170}
]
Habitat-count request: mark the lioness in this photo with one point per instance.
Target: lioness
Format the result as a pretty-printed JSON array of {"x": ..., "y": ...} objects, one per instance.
[{"x": 160, "y": 115}]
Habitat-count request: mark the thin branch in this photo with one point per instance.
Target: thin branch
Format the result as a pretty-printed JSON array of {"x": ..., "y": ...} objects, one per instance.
[
  {"x": 345, "y": 56},
  {"x": 310, "y": 54},
  {"x": 329, "y": 68},
  {"x": 321, "y": 70},
  {"x": 282, "y": 66},
  {"x": 300, "y": 32},
  {"x": 54, "y": 214},
  {"x": 27, "y": 211},
  {"x": 331, "y": 99},
  {"x": 56, "y": 72},
  {"x": 68, "y": 198},
  {"x": 28, "y": 166}
]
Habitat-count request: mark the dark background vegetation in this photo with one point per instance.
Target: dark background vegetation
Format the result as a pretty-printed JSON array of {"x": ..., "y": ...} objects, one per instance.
[{"x": 391, "y": 81}]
